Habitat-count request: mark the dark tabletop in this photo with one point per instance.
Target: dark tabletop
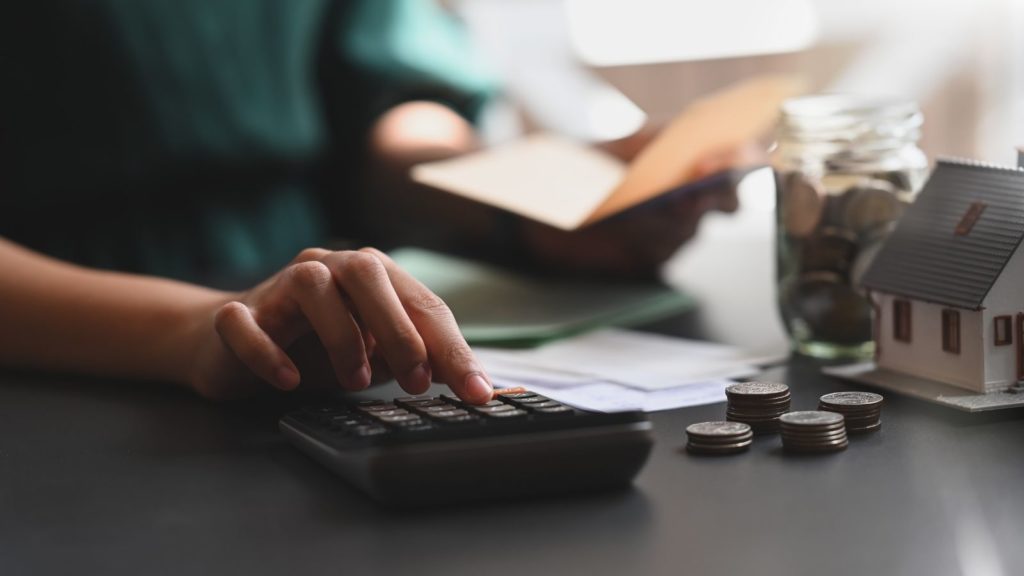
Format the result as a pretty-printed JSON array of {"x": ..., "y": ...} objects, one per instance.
[
  {"x": 108, "y": 478},
  {"x": 104, "y": 477}
]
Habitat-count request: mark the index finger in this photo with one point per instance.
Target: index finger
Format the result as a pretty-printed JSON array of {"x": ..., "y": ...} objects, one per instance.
[{"x": 451, "y": 359}]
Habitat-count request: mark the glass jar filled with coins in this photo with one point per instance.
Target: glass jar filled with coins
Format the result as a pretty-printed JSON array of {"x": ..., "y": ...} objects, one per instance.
[{"x": 845, "y": 168}]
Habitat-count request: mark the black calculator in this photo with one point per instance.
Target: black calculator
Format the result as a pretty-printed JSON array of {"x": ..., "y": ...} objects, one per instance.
[{"x": 418, "y": 449}]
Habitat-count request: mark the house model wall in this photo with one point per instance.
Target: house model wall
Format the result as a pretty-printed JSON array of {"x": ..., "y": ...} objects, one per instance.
[{"x": 948, "y": 286}]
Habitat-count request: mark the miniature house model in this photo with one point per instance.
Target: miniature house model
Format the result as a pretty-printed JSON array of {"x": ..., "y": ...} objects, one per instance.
[{"x": 948, "y": 286}]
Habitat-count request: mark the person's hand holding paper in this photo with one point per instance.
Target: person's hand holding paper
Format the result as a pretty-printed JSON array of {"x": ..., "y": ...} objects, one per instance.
[
  {"x": 633, "y": 243},
  {"x": 588, "y": 211}
]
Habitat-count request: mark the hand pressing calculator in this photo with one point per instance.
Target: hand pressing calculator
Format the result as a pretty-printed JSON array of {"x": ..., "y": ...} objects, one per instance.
[{"x": 420, "y": 449}]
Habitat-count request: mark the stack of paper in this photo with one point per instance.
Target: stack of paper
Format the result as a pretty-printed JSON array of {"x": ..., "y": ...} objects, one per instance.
[{"x": 613, "y": 370}]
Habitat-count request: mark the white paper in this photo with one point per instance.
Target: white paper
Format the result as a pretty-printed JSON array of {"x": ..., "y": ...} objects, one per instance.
[
  {"x": 611, "y": 397},
  {"x": 634, "y": 359},
  {"x": 544, "y": 177},
  {"x": 510, "y": 370}
]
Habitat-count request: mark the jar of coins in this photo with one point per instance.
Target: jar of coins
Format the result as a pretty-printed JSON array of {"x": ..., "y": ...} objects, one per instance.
[{"x": 845, "y": 169}]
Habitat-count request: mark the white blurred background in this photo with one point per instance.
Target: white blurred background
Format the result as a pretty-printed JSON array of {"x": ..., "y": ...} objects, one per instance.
[{"x": 598, "y": 68}]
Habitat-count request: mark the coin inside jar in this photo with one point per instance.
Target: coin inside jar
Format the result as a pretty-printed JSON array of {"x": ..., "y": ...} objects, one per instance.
[
  {"x": 802, "y": 205},
  {"x": 831, "y": 307},
  {"x": 871, "y": 205},
  {"x": 832, "y": 249}
]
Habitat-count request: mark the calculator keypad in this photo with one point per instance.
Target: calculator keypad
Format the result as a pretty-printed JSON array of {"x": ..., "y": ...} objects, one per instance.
[{"x": 379, "y": 418}]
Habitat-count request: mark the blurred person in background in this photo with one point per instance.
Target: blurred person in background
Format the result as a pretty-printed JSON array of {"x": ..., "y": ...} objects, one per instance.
[{"x": 212, "y": 142}]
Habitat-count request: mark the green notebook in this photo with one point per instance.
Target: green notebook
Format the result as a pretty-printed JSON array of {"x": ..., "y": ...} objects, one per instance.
[{"x": 496, "y": 307}]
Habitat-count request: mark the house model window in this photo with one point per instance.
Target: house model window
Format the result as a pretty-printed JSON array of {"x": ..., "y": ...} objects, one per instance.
[
  {"x": 1002, "y": 326},
  {"x": 901, "y": 320},
  {"x": 951, "y": 331},
  {"x": 970, "y": 218}
]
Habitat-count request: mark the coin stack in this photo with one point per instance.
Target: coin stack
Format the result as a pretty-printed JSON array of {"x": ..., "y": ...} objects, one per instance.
[
  {"x": 813, "y": 431},
  {"x": 861, "y": 410},
  {"x": 718, "y": 437},
  {"x": 758, "y": 404}
]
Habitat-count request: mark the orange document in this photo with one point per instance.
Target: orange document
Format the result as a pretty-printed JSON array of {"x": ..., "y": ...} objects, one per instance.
[{"x": 569, "y": 185}]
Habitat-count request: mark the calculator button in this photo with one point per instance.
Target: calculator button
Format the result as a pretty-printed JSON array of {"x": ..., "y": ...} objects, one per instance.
[
  {"x": 429, "y": 410},
  {"x": 416, "y": 424},
  {"x": 389, "y": 413},
  {"x": 532, "y": 400},
  {"x": 547, "y": 404},
  {"x": 411, "y": 399},
  {"x": 398, "y": 418},
  {"x": 448, "y": 413},
  {"x": 555, "y": 410},
  {"x": 514, "y": 413},
  {"x": 368, "y": 431},
  {"x": 514, "y": 390},
  {"x": 517, "y": 395},
  {"x": 417, "y": 428},
  {"x": 345, "y": 420},
  {"x": 501, "y": 407},
  {"x": 492, "y": 403},
  {"x": 460, "y": 419}
]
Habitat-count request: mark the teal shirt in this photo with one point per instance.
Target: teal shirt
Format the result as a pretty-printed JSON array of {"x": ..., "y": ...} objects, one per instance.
[{"x": 206, "y": 138}]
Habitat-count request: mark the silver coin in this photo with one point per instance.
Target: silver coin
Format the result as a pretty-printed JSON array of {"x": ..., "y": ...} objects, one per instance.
[
  {"x": 855, "y": 415},
  {"x": 718, "y": 429},
  {"x": 769, "y": 419},
  {"x": 802, "y": 203},
  {"x": 864, "y": 429},
  {"x": 811, "y": 418},
  {"x": 814, "y": 430},
  {"x": 817, "y": 449},
  {"x": 852, "y": 399},
  {"x": 833, "y": 310},
  {"x": 755, "y": 414},
  {"x": 752, "y": 419},
  {"x": 870, "y": 205},
  {"x": 757, "y": 389},
  {"x": 741, "y": 400},
  {"x": 721, "y": 441},
  {"x": 832, "y": 249},
  {"x": 759, "y": 407},
  {"x": 725, "y": 449},
  {"x": 808, "y": 437},
  {"x": 835, "y": 436}
]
